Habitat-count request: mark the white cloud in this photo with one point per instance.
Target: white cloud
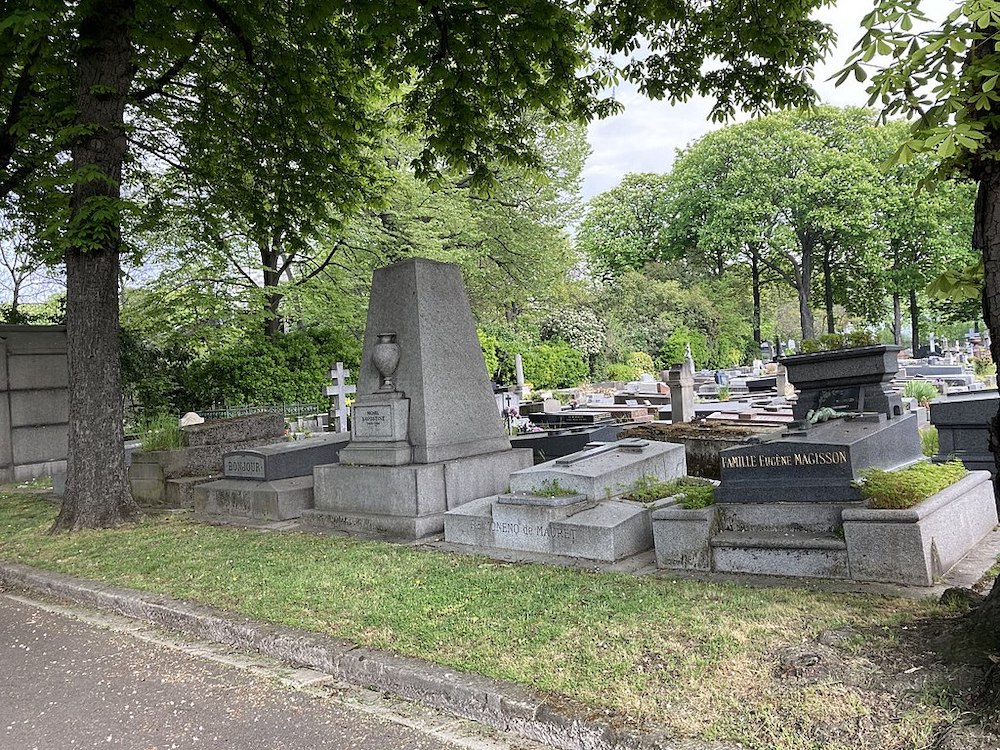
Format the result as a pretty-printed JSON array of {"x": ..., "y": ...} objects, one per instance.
[{"x": 646, "y": 136}]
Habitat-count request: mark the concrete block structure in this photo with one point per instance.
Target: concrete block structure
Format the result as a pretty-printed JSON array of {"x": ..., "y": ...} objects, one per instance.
[{"x": 34, "y": 402}]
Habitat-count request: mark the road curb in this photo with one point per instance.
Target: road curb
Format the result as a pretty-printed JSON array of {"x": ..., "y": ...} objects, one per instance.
[{"x": 503, "y": 705}]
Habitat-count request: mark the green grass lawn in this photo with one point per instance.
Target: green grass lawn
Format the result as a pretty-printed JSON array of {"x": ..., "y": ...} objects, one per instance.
[{"x": 700, "y": 658}]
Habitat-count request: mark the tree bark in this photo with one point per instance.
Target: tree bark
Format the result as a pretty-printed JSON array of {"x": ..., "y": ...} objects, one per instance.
[
  {"x": 914, "y": 322},
  {"x": 803, "y": 284},
  {"x": 272, "y": 316},
  {"x": 755, "y": 289},
  {"x": 897, "y": 320},
  {"x": 828, "y": 290},
  {"x": 270, "y": 255},
  {"x": 986, "y": 239},
  {"x": 97, "y": 493}
]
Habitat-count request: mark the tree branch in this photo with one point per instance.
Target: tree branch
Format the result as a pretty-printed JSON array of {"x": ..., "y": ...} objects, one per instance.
[
  {"x": 168, "y": 75},
  {"x": 229, "y": 23}
]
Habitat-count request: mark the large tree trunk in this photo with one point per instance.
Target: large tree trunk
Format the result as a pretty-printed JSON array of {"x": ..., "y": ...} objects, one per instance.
[
  {"x": 97, "y": 493},
  {"x": 272, "y": 314},
  {"x": 982, "y": 625},
  {"x": 270, "y": 256},
  {"x": 986, "y": 239}
]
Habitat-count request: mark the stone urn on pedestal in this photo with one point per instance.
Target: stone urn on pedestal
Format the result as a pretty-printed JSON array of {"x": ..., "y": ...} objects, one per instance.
[{"x": 385, "y": 357}]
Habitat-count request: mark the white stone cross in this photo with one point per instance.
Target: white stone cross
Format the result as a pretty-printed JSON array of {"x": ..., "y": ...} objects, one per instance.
[{"x": 339, "y": 391}]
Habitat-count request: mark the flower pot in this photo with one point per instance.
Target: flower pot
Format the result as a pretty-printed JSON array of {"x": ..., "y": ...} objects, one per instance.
[
  {"x": 918, "y": 545},
  {"x": 682, "y": 537}
]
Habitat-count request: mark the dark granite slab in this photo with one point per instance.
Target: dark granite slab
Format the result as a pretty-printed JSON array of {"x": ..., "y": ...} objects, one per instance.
[
  {"x": 558, "y": 443},
  {"x": 963, "y": 428},
  {"x": 762, "y": 385},
  {"x": 845, "y": 379},
  {"x": 819, "y": 464},
  {"x": 285, "y": 459}
]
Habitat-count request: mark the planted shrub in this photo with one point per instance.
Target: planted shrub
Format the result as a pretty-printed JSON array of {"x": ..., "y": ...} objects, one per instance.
[
  {"x": 260, "y": 370},
  {"x": 159, "y": 432},
  {"x": 554, "y": 365},
  {"x": 929, "y": 445},
  {"x": 922, "y": 390},
  {"x": 691, "y": 492},
  {"x": 897, "y": 490},
  {"x": 830, "y": 341},
  {"x": 636, "y": 364}
]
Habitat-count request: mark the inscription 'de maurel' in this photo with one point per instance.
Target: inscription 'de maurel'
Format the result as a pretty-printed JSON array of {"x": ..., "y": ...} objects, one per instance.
[{"x": 819, "y": 458}]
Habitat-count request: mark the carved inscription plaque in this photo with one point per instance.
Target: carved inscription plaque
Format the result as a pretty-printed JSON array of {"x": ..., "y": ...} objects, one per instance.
[
  {"x": 243, "y": 466},
  {"x": 374, "y": 421},
  {"x": 811, "y": 458}
]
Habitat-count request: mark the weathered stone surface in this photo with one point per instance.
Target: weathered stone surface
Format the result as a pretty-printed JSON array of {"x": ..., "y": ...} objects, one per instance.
[
  {"x": 403, "y": 501},
  {"x": 845, "y": 379},
  {"x": 179, "y": 492},
  {"x": 276, "y": 500},
  {"x": 558, "y": 443},
  {"x": 918, "y": 545},
  {"x": 962, "y": 423},
  {"x": 34, "y": 411},
  {"x": 800, "y": 555},
  {"x": 149, "y": 471},
  {"x": 441, "y": 367},
  {"x": 605, "y": 472},
  {"x": 681, "y": 537},
  {"x": 253, "y": 428},
  {"x": 606, "y": 531}
]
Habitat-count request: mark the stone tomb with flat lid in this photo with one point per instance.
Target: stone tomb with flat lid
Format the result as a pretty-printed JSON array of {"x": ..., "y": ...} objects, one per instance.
[
  {"x": 272, "y": 482},
  {"x": 790, "y": 506},
  {"x": 571, "y": 506}
]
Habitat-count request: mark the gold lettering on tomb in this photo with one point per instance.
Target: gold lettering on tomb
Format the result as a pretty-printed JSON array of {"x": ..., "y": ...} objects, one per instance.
[{"x": 818, "y": 458}]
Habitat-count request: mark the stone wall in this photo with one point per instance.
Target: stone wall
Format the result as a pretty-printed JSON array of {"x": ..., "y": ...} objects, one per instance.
[{"x": 34, "y": 401}]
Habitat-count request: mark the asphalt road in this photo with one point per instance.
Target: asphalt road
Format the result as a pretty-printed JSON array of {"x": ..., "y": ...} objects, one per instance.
[{"x": 72, "y": 683}]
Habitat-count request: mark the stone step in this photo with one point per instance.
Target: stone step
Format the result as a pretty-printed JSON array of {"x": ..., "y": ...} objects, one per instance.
[
  {"x": 812, "y": 517},
  {"x": 179, "y": 491},
  {"x": 800, "y": 554}
]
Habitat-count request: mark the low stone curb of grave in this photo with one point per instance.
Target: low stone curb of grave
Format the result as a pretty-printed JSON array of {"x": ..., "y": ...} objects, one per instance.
[
  {"x": 504, "y": 705},
  {"x": 919, "y": 544},
  {"x": 682, "y": 538}
]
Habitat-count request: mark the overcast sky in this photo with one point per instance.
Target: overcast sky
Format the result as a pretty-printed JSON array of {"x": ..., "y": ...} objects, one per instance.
[{"x": 646, "y": 136}]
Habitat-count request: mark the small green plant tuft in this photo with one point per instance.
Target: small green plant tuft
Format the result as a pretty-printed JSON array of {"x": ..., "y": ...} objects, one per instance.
[
  {"x": 723, "y": 393},
  {"x": 984, "y": 367},
  {"x": 897, "y": 490},
  {"x": 551, "y": 488},
  {"x": 929, "y": 444},
  {"x": 922, "y": 390},
  {"x": 691, "y": 492},
  {"x": 830, "y": 341},
  {"x": 160, "y": 432}
]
